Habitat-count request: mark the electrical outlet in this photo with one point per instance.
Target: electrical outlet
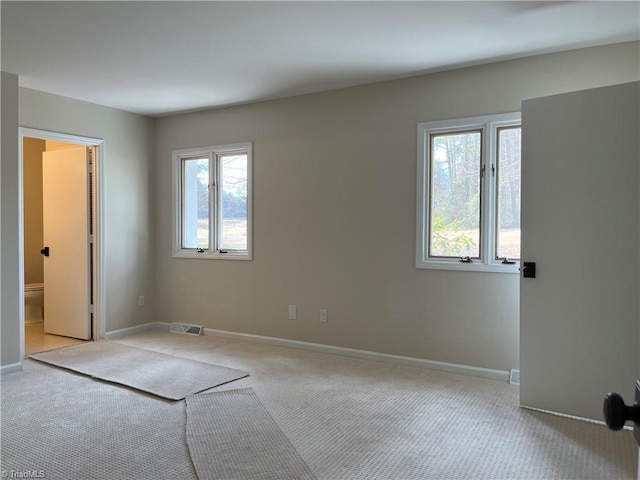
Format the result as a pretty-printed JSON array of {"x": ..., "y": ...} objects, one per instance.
[
  {"x": 292, "y": 312},
  {"x": 324, "y": 316},
  {"x": 141, "y": 301}
]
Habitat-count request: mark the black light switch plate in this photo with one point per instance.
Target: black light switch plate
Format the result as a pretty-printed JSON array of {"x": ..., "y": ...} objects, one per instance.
[
  {"x": 529, "y": 269},
  {"x": 636, "y": 429}
]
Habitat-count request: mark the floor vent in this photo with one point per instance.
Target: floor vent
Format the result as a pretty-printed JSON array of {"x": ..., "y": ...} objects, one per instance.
[
  {"x": 514, "y": 377},
  {"x": 186, "y": 329}
]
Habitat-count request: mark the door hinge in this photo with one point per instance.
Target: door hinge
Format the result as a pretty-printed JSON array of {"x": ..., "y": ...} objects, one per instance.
[
  {"x": 91, "y": 309},
  {"x": 90, "y": 238}
]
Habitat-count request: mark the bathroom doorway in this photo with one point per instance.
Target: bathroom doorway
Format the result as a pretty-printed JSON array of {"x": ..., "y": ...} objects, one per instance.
[{"x": 60, "y": 254}]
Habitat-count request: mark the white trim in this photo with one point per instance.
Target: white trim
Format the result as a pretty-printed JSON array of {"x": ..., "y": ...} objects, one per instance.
[
  {"x": 572, "y": 417},
  {"x": 476, "y": 266},
  {"x": 362, "y": 354},
  {"x": 99, "y": 274},
  {"x": 21, "y": 332},
  {"x": 123, "y": 332},
  {"x": 12, "y": 367},
  {"x": 60, "y": 137},
  {"x": 99, "y": 305},
  {"x": 211, "y": 256},
  {"x": 488, "y": 124},
  {"x": 366, "y": 355}
]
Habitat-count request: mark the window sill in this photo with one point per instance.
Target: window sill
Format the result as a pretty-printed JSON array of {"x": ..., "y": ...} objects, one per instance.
[
  {"x": 470, "y": 267},
  {"x": 212, "y": 256}
]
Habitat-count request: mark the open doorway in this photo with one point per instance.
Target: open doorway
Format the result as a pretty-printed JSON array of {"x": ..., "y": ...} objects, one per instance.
[{"x": 60, "y": 258}]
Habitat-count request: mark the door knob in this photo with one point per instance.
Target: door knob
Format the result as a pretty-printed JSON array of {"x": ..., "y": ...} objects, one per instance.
[
  {"x": 45, "y": 251},
  {"x": 616, "y": 413}
]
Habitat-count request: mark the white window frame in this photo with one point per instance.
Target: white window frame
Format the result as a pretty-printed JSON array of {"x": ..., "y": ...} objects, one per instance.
[
  {"x": 213, "y": 153},
  {"x": 489, "y": 125}
]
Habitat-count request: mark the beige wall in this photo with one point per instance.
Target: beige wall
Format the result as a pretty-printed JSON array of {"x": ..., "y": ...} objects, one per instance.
[
  {"x": 32, "y": 200},
  {"x": 334, "y": 218},
  {"x": 127, "y": 202},
  {"x": 334, "y": 212},
  {"x": 9, "y": 324},
  {"x": 127, "y": 195}
]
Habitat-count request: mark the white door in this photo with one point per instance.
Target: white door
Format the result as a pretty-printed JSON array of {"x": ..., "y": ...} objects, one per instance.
[
  {"x": 66, "y": 234},
  {"x": 579, "y": 334}
]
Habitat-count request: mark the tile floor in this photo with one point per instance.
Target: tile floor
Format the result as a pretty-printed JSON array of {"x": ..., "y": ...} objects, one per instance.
[{"x": 38, "y": 341}]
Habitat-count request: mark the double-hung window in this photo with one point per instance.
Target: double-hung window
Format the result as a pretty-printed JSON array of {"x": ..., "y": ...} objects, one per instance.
[
  {"x": 212, "y": 202},
  {"x": 468, "y": 210}
]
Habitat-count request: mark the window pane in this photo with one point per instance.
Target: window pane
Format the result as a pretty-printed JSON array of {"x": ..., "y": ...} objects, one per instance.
[
  {"x": 455, "y": 194},
  {"x": 233, "y": 205},
  {"x": 195, "y": 203},
  {"x": 508, "y": 215}
]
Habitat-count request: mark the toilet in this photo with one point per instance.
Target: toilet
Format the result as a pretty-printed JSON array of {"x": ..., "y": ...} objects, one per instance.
[{"x": 33, "y": 303}]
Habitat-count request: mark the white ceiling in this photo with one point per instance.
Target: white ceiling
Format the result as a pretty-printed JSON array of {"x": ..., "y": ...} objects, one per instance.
[{"x": 156, "y": 58}]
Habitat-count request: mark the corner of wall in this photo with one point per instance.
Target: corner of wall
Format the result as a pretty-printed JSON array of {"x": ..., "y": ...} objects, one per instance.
[{"x": 10, "y": 333}]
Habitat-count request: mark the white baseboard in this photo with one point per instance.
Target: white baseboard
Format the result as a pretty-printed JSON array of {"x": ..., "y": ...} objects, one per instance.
[
  {"x": 123, "y": 332},
  {"x": 362, "y": 354},
  {"x": 572, "y": 417},
  {"x": 12, "y": 367}
]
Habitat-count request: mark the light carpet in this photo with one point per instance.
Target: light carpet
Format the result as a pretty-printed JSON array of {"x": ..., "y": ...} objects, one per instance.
[
  {"x": 349, "y": 419},
  {"x": 166, "y": 376},
  {"x": 231, "y": 435}
]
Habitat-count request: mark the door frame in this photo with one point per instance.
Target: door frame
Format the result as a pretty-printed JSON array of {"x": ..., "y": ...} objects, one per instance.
[{"x": 99, "y": 281}]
